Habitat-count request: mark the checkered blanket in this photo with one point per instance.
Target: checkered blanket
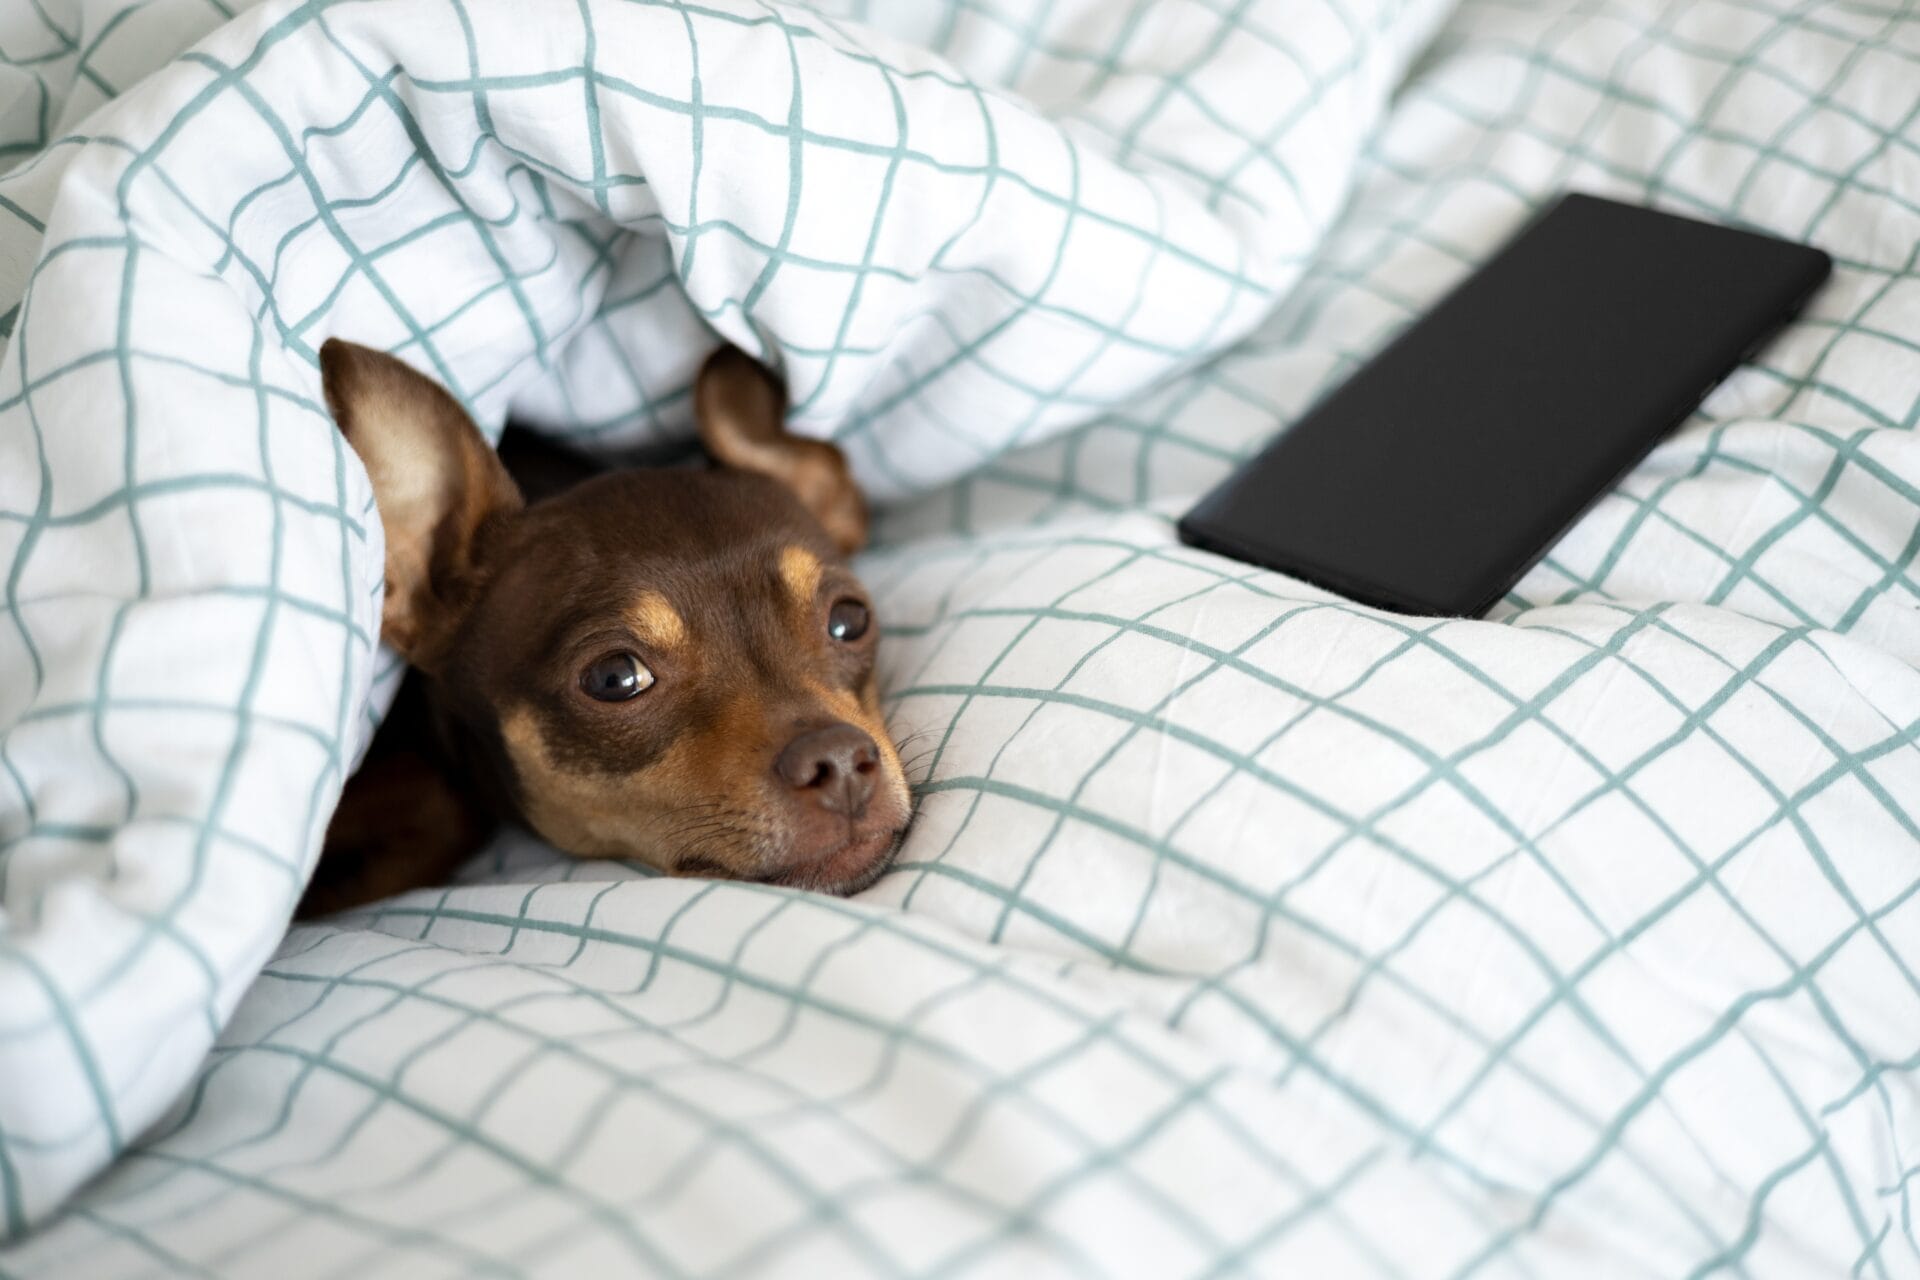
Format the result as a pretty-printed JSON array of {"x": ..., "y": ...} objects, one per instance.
[{"x": 1241, "y": 930}]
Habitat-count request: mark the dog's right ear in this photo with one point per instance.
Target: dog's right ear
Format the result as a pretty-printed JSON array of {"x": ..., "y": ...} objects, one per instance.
[{"x": 439, "y": 486}]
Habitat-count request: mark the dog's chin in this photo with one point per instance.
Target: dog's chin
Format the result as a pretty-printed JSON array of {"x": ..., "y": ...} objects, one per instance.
[{"x": 846, "y": 870}]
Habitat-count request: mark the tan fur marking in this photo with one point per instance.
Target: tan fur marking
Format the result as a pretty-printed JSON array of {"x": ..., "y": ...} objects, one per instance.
[
  {"x": 656, "y": 621},
  {"x": 559, "y": 803},
  {"x": 800, "y": 569},
  {"x": 595, "y": 815}
]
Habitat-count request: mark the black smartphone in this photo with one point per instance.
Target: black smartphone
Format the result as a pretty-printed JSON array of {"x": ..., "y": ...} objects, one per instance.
[{"x": 1443, "y": 469}]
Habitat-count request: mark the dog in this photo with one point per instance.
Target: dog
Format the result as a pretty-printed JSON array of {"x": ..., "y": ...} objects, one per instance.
[{"x": 670, "y": 665}]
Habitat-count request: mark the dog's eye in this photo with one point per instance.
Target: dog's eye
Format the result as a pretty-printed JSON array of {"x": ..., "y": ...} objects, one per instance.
[
  {"x": 615, "y": 678},
  {"x": 848, "y": 620}
]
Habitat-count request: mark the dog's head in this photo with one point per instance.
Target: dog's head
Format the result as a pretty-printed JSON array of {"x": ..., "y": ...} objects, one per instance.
[{"x": 675, "y": 666}]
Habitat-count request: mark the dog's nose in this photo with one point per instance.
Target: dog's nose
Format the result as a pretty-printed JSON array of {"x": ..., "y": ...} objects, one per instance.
[{"x": 834, "y": 766}]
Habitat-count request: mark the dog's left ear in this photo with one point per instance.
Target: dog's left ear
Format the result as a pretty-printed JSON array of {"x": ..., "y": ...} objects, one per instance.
[
  {"x": 440, "y": 488},
  {"x": 742, "y": 413}
]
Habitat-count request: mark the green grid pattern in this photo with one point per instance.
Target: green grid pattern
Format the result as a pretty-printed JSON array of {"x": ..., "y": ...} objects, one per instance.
[
  {"x": 1241, "y": 931},
  {"x": 432, "y": 179}
]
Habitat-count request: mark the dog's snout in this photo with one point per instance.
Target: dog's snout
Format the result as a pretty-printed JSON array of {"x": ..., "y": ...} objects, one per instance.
[{"x": 834, "y": 766}]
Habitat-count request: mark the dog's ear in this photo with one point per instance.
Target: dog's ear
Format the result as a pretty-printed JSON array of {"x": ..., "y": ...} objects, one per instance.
[
  {"x": 439, "y": 486},
  {"x": 742, "y": 413}
]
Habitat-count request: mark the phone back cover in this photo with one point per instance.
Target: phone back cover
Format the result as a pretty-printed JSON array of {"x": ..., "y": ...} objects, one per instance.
[{"x": 1445, "y": 468}]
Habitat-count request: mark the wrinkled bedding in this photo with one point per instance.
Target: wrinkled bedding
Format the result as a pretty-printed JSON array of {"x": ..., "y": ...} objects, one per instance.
[{"x": 1241, "y": 930}]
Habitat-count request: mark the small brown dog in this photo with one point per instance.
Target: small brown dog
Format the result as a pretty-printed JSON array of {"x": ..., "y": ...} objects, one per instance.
[{"x": 670, "y": 665}]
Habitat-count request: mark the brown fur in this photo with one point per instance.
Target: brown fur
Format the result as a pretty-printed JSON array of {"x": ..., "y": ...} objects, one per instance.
[
  {"x": 719, "y": 581},
  {"x": 741, "y": 408},
  {"x": 436, "y": 492}
]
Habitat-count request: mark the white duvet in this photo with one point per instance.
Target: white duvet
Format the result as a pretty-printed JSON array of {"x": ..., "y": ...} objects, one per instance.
[{"x": 1241, "y": 931}]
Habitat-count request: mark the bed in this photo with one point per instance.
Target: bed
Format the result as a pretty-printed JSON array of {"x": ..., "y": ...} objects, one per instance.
[{"x": 1241, "y": 930}]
